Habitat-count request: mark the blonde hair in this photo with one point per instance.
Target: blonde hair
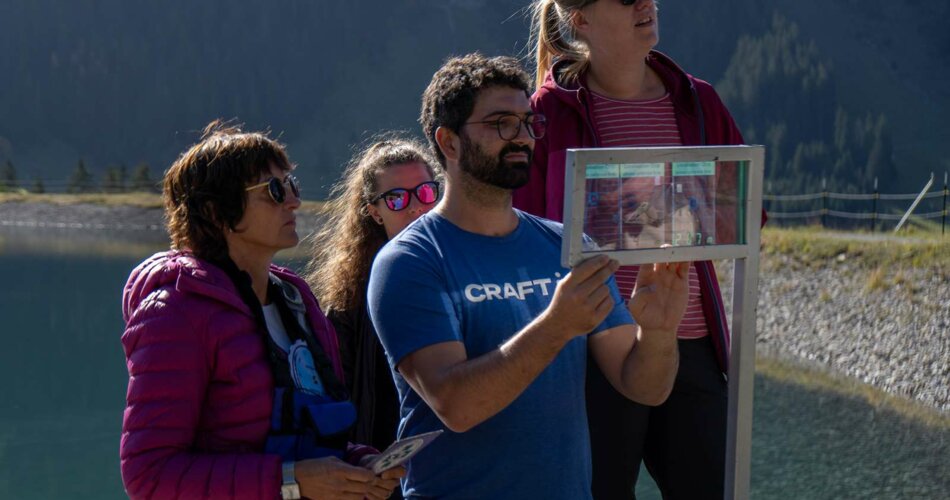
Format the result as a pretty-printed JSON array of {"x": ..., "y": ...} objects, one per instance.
[
  {"x": 554, "y": 38},
  {"x": 349, "y": 239}
]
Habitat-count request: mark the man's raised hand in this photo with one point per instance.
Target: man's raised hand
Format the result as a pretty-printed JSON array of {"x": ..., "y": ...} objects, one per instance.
[{"x": 582, "y": 299}]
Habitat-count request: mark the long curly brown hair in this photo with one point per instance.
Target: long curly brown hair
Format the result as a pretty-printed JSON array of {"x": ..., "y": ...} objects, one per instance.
[{"x": 349, "y": 239}]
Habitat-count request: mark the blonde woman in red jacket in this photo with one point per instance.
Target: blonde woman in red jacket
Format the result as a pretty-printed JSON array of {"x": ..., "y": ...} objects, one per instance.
[{"x": 601, "y": 84}]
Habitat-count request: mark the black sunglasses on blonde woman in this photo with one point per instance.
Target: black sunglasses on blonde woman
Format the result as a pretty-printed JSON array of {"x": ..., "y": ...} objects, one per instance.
[{"x": 622, "y": 2}]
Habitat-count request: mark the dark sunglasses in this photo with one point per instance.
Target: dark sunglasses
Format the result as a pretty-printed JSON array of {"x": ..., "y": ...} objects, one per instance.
[
  {"x": 622, "y": 2},
  {"x": 275, "y": 188},
  {"x": 398, "y": 199}
]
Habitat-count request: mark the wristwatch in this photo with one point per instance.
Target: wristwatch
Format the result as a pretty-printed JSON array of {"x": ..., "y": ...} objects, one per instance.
[{"x": 289, "y": 489}]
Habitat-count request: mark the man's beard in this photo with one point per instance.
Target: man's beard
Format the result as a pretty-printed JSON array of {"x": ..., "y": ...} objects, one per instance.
[{"x": 495, "y": 171}]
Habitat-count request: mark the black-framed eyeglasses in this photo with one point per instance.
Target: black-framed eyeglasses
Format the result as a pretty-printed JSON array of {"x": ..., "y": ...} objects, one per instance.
[
  {"x": 398, "y": 199},
  {"x": 275, "y": 188},
  {"x": 509, "y": 125}
]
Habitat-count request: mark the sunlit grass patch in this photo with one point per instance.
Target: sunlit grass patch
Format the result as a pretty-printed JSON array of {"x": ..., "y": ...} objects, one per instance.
[
  {"x": 876, "y": 282},
  {"x": 146, "y": 200},
  {"x": 816, "y": 248}
]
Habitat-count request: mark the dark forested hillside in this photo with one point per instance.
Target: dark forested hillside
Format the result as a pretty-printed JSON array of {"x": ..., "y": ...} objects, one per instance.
[
  {"x": 122, "y": 83},
  {"x": 784, "y": 93}
]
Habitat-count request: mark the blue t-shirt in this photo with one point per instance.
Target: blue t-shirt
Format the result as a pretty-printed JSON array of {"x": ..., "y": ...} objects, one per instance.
[{"x": 434, "y": 283}]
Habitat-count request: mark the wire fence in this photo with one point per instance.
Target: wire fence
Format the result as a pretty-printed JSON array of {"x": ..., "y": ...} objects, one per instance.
[{"x": 872, "y": 211}]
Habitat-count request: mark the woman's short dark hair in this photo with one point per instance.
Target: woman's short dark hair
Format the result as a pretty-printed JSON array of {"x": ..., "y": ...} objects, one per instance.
[
  {"x": 449, "y": 99},
  {"x": 204, "y": 190}
]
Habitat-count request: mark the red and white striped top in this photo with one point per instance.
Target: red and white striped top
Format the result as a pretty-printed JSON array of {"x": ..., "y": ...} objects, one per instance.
[
  {"x": 647, "y": 123},
  {"x": 635, "y": 123}
]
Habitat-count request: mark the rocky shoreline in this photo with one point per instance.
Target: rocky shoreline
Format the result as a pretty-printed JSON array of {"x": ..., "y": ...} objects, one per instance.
[
  {"x": 893, "y": 334},
  {"x": 896, "y": 338}
]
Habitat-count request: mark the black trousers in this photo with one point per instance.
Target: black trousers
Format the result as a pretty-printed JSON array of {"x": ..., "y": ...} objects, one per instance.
[{"x": 682, "y": 441}]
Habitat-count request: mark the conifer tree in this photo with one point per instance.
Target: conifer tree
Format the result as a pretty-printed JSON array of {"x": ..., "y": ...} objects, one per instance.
[
  {"x": 81, "y": 180},
  {"x": 114, "y": 180},
  {"x": 142, "y": 179},
  {"x": 880, "y": 162},
  {"x": 8, "y": 177}
]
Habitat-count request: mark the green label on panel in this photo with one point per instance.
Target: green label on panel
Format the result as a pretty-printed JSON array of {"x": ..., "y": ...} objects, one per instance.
[
  {"x": 641, "y": 170},
  {"x": 603, "y": 171},
  {"x": 682, "y": 169}
]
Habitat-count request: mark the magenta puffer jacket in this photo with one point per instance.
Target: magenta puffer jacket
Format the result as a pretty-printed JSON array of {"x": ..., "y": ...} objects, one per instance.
[{"x": 200, "y": 388}]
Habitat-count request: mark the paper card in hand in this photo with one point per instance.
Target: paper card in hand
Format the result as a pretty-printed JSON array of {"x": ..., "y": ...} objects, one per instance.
[{"x": 401, "y": 451}]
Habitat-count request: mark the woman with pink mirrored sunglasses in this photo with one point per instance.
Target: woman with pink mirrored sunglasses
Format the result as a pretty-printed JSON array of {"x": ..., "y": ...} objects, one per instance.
[{"x": 385, "y": 187}]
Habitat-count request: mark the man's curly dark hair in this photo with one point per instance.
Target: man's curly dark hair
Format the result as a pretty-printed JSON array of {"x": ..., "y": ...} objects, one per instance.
[{"x": 449, "y": 99}]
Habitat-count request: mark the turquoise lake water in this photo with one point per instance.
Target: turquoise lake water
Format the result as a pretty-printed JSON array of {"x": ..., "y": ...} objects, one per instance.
[{"x": 63, "y": 384}]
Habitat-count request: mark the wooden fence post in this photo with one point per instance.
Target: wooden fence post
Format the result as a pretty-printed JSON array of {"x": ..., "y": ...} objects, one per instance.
[
  {"x": 824, "y": 202},
  {"x": 943, "y": 218},
  {"x": 874, "y": 210}
]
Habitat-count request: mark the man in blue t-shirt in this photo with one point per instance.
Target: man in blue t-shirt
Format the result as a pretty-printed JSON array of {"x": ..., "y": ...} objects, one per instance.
[{"x": 486, "y": 333}]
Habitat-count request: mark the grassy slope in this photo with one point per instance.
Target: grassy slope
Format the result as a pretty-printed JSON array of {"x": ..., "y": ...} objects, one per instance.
[
  {"x": 147, "y": 200},
  {"x": 812, "y": 247}
]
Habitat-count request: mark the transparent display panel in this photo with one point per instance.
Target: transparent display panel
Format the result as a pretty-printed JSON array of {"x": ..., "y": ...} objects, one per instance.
[
  {"x": 630, "y": 206},
  {"x": 661, "y": 204}
]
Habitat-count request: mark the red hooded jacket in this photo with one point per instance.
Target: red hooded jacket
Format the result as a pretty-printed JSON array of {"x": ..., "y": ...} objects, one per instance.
[
  {"x": 201, "y": 390},
  {"x": 702, "y": 119}
]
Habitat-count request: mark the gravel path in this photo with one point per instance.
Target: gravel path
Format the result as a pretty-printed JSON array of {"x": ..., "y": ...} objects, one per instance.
[{"x": 890, "y": 331}]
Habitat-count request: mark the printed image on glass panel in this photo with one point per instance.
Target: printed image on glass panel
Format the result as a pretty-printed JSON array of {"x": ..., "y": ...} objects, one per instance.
[
  {"x": 693, "y": 220},
  {"x": 632, "y": 206},
  {"x": 601, "y": 217}
]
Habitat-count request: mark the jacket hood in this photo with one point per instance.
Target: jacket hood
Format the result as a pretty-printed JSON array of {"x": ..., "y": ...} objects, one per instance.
[
  {"x": 678, "y": 83},
  {"x": 187, "y": 273},
  {"x": 183, "y": 272},
  {"x": 180, "y": 270}
]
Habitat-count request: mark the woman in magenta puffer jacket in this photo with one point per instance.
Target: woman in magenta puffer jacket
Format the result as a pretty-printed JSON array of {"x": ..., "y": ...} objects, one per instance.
[{"x": 235, "y": 380}]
